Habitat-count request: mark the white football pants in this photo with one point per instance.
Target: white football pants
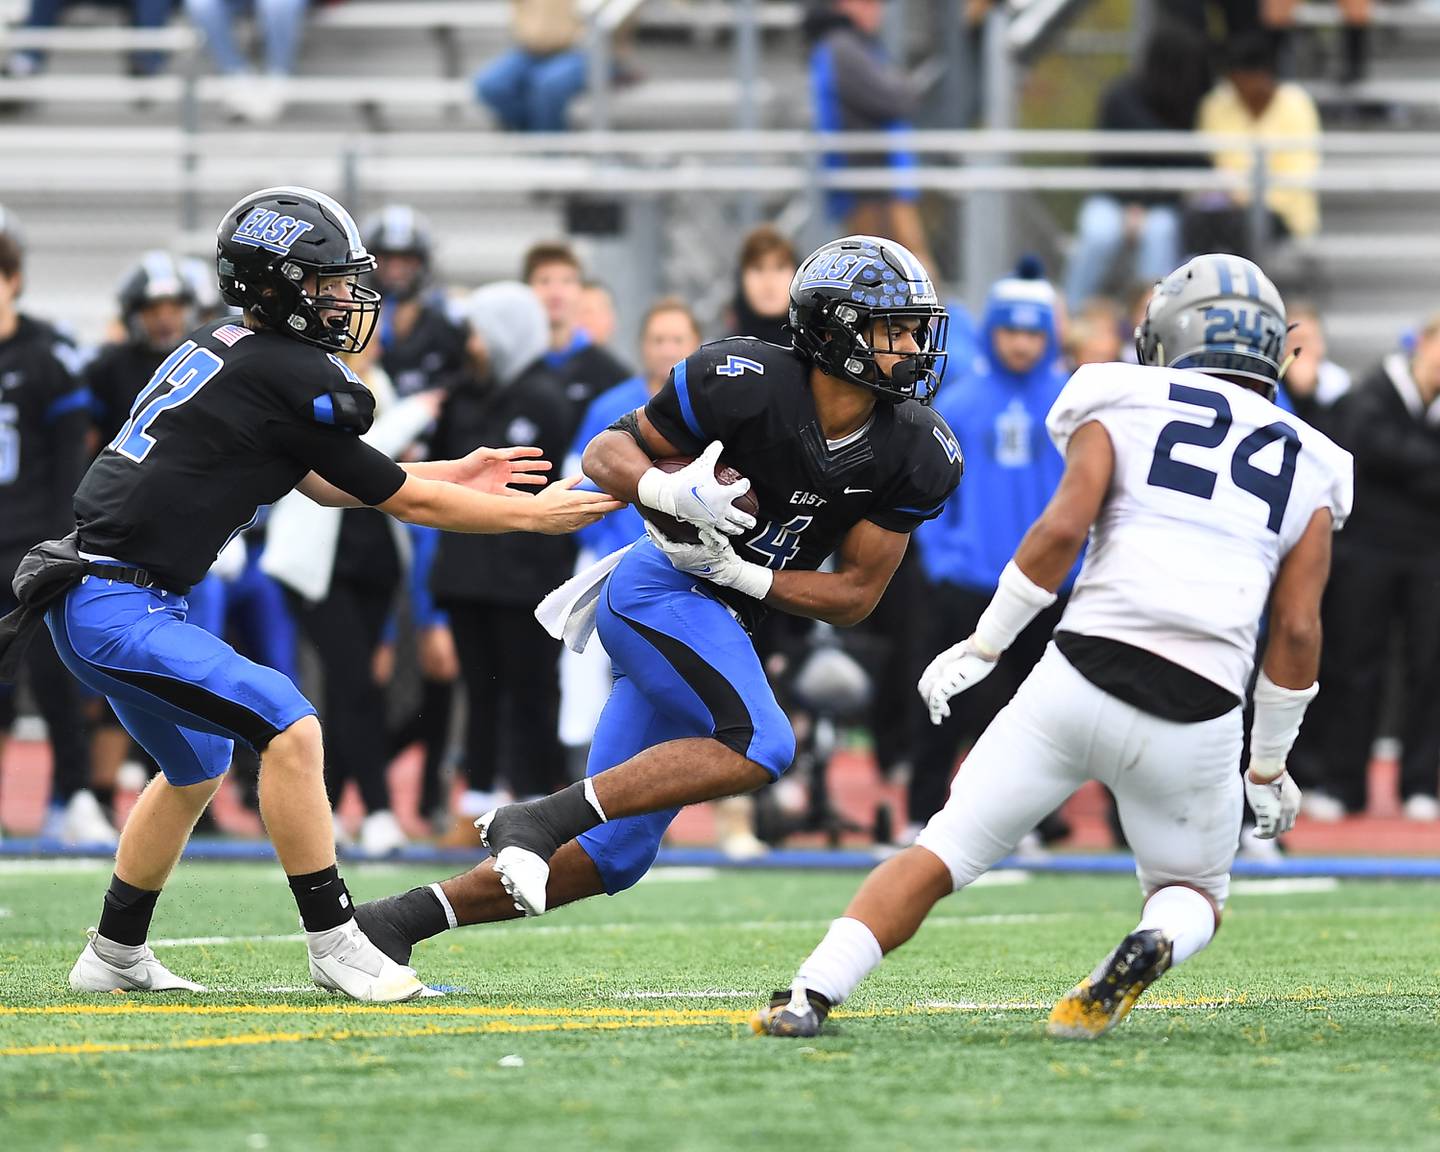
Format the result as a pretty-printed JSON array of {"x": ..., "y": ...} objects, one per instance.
[{"x": 1177, "y": 786}]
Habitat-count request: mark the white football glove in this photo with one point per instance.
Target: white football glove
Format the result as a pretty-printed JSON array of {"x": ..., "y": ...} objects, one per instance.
[
  {"x": 695, "y": 496},
  {"x": 959, "y": 667},
  {"x": 1274, "y": 798},
  {"x": 713, "y": 558}
]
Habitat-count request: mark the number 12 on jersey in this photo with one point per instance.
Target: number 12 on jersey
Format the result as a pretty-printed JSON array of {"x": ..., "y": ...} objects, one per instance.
[
  {"x": 1271, "y": 487},
  {"x": 189, "y": 368}
]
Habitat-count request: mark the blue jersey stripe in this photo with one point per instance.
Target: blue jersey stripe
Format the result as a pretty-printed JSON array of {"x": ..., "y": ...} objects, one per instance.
[
  {"x": 923, "y": 511},
  {"x": 80, "y": 398},
  {"x": 324, "y": 408},
  {"x": 687, "y": 410}
]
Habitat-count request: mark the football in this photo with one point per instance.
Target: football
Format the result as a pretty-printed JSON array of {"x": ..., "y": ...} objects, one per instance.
[{"x": 680, "y": 531}]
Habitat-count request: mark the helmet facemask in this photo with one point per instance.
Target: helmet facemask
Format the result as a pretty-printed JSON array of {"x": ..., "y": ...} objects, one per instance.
[
  {"x": 328, "y": 322},
  {"x": 862, "y": 334}
]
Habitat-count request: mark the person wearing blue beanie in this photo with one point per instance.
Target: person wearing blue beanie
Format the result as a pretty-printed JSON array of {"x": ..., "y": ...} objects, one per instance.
[{"x": 996, "y": 405}]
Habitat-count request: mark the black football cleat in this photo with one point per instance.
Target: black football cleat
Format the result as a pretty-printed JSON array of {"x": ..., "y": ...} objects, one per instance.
[
  {"x": 1105, "y": 997},
  {"x": 795, "y": 1013}
]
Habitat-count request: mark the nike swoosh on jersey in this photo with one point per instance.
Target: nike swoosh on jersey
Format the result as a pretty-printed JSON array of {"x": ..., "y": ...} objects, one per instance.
[
  {"x": 857, "y": 491},
  {"x": 156, "y": 608}
]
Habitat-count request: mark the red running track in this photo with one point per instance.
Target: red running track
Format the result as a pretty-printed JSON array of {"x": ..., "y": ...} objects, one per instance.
[{"x": 25, "y": 786}]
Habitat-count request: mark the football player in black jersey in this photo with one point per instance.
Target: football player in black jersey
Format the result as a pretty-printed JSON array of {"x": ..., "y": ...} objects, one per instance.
[
  {"x": 235, "y": 417},
  {"x": 157, "y": 308},
  {"x": 44, "y": 414},
  {"x": 845, "y": 457}
]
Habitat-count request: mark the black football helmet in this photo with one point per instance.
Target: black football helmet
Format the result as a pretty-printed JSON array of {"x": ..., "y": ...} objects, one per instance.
[
  {"x": 157, "y": 276},
  {"x": 1218, "y": 314},
  {"x": 841, "y": 288},
  {"x": 397, "y": 229},
  {"x": 272, "y": 241}
]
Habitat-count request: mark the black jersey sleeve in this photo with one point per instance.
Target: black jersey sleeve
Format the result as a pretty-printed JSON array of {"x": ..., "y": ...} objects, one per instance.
[
  {"x": 714, "y": 393},
  {"x": 322, "y": 428},
  {"x": 929, "y": 473}
]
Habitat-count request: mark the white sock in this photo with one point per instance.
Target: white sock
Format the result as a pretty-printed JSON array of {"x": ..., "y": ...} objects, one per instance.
[
  {"x": 1186, "y": 918},
  {"x": 450, "y": 917},
  {"x": 845, "y": 957},
  {"x": 593, "y": 800},
  {"x": 120, "y": 955}
]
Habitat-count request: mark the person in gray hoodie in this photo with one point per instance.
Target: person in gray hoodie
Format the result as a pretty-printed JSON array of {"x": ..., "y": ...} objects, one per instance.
[{"x": 489, "y": 587}]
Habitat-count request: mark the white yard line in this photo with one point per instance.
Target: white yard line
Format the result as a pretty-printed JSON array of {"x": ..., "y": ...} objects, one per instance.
[
  {"x": 1284, "y": 886},
  {"x": 221, "y": 941},
  {"x": 60, "y": 864}
]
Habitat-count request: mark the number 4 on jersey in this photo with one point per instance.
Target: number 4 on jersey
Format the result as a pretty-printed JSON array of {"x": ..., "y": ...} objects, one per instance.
[
  {"x": 738, "y": 366},
  {"x": 188, "y": 369}
]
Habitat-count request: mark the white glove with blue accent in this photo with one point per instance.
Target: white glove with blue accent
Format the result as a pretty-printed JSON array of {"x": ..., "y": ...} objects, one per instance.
[
  {"x": 695, "y": 496},
  {"x": 959, "y": 667},
  {"x": 1274, "y": 798},
  {"x": 713, "y": 558}
]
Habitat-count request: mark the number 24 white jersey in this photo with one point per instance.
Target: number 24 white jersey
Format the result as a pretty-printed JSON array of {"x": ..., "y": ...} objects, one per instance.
[{"x": 1213, "y": 486}]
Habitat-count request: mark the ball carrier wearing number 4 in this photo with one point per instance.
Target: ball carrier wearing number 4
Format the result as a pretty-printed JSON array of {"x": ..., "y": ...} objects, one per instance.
[
  {"x": 845, "y": 457},
  {"x": 234, "y": 418},
  {"x": 1205, "y": 506}
]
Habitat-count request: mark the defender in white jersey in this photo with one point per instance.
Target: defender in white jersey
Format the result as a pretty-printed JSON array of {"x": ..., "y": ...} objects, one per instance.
[{"x": 1204, "y": 504}]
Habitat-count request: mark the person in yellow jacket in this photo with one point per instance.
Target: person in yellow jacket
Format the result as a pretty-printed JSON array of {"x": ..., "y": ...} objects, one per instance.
[{"x": 1252, "y": 101}]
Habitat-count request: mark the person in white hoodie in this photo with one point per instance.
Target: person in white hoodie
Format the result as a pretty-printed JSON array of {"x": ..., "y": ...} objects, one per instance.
[{"x": 341, "y": 569}]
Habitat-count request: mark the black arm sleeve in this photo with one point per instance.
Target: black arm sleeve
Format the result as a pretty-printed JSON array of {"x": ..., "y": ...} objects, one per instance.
[{"x": 344, "y": 460}]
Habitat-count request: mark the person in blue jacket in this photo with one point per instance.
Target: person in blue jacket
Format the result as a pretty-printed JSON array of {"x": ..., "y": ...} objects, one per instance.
[{"x": 996, "y": 405}]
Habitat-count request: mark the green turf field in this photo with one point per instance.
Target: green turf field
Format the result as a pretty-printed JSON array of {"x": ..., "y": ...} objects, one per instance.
[{"x": 1312, "y": 1022}]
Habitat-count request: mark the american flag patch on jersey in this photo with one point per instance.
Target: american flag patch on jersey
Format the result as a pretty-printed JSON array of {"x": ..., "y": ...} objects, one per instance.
[{"x": 231, "y": 334}]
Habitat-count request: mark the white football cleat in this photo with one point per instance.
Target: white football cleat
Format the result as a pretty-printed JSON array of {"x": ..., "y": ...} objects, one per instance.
[
  {"x": 344, "y": 960},
  {"x": 524, "y": 873},
  {"x": 84, "y": 821},
  {"x": 93, "y": 973},
  {"x": 381, "y": 834},
  {"x": 1421, "y": 808}
]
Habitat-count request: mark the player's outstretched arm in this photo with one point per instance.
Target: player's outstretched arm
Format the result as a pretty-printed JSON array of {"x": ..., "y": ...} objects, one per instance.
[
  {"x": 555, "y": 511},
  {"x": 1030, "y": 581},
  {"x": 1286, "y": 683}
]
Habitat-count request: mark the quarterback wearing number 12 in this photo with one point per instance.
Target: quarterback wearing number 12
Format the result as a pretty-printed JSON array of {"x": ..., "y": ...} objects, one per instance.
[
  {"x": 243, "y": 411},
  {"x": 845, "y": 456},
  {"x": 1203, "y": 503}
]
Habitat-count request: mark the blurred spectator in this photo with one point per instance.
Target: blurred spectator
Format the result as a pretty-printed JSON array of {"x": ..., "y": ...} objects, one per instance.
[
  {"x": 584, "y": 369},
  {"x": 1278, "y": 19},
  {"x": 1095, "y": 333},
  {"x": 281, "y": 22},
  {"x": 668, "y": 334},
  {"x": 855, "y": 88},
  {"x": 157, "y": 310},
  {"x": 46, "y": 14},
  {"x": 595, "y": 314},
  {"x": 44, "y": 417},
  {"x": 529, "y": 87},
  {"x": 421, "y": 347},
  {"x": 1313, "y": 383},
  {"x": 1385, "y": 581},
  {"x": 761, "y": 307},
  {"x": 997, "y": 410},
  {"x": 341, "y": 569},
  {"x": 489, "y": 584},
  {"x": 1252, "y": 102},
  {"x": 1162, "y": 94}
]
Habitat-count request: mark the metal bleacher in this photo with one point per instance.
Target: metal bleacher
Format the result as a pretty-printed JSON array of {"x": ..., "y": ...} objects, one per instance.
[{"x": 100, "y": 164}]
